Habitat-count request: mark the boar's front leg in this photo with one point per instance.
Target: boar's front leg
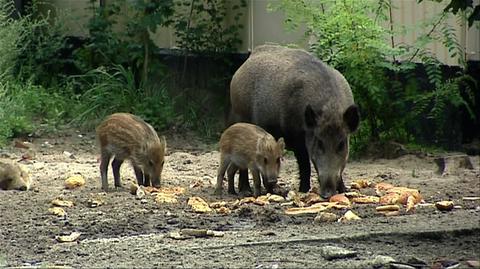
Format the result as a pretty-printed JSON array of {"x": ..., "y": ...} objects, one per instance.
[
  {"x": 138, "y": 175},
  {"x": 303, "y": 160},
  {"x": 243, "y": 184}
]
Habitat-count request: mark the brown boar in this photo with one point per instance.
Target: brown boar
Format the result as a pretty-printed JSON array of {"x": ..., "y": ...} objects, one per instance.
[
  {"x": 294, "y": 95},
  {"x": 13, "y": 177},
  {"x": 247, "y": 146},
  {"x": 126, "y": 136}
]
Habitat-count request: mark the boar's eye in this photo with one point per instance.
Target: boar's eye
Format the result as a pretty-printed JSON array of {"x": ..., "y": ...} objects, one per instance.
[
  {"x": 341, "y": 146},
  {"x": 278, "y": 161},
  {"x": 265, "y": 160},
  {"x": 150, "y": 162}
]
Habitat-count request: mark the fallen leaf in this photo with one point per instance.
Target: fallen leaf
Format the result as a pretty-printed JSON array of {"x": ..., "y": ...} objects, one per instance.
[
  {"x": 325, "y": 217},
  {"x": 57, "y": 211},
  {"x": 366, "y": 200},
  {"x": 444, "y": 205},
  {"x": 167, "y": 198},
  {"x": 68, "y": 238},
  {"x": 23, "y": 145},
  {"x": 74, "y": 182},
  {"x": 199, "y": 205},
  {"x": 61, "y": 202},
  {"x": 349, "y": 216},
  {"x": 340, "y": 198}
]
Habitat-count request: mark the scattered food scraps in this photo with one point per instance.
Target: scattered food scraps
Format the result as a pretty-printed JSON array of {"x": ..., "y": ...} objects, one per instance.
[
  {"x": 349, "y": 216},
  {"x": 360, "y": 184},
  {"x": 167, "y": 198},
  {"x": 61, "y": 202},
  {"x": 313, "y": 209},
  {"x": 57, "y": 211},
  {"x": 388, "y": 208},
  {"x": 68, "y": 238},
  {"x": 444, "y": 205},
  {"x": 199, "y": 205},
  {"x": 366, "y": 200},
  {"x": 325, "y": 217},
  {"x": 74, "y": 182},
  {"x": 340, "y": 198}
]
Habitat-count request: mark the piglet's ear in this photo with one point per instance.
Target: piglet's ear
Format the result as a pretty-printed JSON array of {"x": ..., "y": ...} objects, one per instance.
[
  {"x": 311, "y": 117},
  {"x": 352, "y": 118},
  {"x": 281, "y": 144}
]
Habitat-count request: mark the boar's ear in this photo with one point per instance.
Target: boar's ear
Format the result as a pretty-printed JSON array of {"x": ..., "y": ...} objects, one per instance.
[
  {"x": 281, "y": 144},
  {"x": 352, "y": 117},
  {"x": 311, "y": 117}
]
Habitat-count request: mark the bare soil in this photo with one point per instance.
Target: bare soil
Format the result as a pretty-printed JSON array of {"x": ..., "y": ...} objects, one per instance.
[{"x": 128, "y": 232}]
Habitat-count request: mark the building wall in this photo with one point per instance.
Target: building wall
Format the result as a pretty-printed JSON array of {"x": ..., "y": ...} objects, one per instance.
[{"x": 262, "y": 26}]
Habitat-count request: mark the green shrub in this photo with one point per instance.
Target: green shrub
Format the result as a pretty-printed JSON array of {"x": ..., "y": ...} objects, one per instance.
[
  {"x": 114, "y": 90},
  {"x": 350, "y": 35}
]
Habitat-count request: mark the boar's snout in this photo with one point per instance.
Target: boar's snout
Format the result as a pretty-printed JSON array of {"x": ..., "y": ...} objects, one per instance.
[
  {"x": 156, "y": 182},
  {"x": 328, "y": 186}
]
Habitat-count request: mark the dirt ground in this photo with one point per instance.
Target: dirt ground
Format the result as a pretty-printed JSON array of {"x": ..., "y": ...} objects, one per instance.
[{"x": 129, "y": 232}]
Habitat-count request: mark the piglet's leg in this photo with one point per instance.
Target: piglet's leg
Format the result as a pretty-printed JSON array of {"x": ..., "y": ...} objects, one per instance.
[{"x": 116, "y": 163}]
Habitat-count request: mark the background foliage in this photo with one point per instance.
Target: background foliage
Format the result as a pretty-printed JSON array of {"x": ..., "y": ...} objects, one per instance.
[
  {"x": 350, "y": 35},
  {"x": 49, "y": 79}
]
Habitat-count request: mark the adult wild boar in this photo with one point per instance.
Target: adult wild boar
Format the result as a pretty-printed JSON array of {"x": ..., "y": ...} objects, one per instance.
[{"x": 292, "y": 94}]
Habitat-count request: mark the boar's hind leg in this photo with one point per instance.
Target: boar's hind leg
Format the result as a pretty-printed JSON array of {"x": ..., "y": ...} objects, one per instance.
[
  {"x": 232, "y": 169},
  {"x": 303, "y": 161},
  {"x": 243, "y": 184},
  {"x": 104, "y": 160},
  {"x": 116, "y": 163},
  {"x": 138, "y": 175}
]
